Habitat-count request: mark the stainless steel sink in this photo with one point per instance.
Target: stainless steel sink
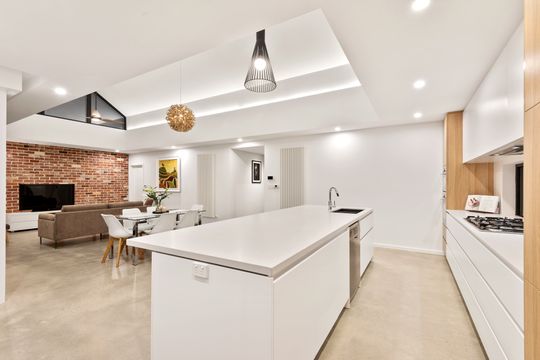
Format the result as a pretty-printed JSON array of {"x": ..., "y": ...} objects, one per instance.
[{"x": 347, "y": 211}]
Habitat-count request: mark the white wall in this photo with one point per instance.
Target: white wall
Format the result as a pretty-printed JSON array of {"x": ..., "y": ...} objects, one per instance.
[
  {"x": 235, "y": 195},
  {"x": 395, "y": 170},
  {"x": 494, "y": 116},
  {"x": 249, "y": 197}
]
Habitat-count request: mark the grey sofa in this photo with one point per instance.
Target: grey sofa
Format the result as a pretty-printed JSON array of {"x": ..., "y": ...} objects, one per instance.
[{"x": 75, "y": 221}]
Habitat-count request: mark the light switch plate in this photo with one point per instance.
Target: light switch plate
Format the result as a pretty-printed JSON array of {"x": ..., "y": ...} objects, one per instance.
[{"x": 200, "y": 270}]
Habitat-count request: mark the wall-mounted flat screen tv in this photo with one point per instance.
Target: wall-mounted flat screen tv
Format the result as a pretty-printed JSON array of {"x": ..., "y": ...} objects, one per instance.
[{"x": 45, "y": 197}]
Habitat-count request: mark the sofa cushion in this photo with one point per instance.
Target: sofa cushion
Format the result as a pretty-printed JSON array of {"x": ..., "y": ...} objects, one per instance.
[
  {"x": 125, "y": 204},
  {"x": 69, "y": 208}
]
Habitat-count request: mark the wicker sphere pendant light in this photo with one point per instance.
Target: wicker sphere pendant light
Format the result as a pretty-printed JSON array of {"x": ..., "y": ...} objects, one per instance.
[
  {"x": 260, "y": 77},
  {"x": 180, "y": 117}
]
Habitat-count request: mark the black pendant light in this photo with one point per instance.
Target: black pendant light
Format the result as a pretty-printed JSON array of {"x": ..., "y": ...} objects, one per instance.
[{"x": 260, "y": 77}]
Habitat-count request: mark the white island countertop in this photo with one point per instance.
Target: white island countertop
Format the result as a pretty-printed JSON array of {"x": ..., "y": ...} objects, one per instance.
[
  {"x": 508, "y": 247},
  {"x": 268, "y": 243}
]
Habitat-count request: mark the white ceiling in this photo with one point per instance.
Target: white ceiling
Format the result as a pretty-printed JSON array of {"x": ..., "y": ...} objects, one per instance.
[
  {"x": 297, "y": 47},
  {"x": 451, "y": 45}
]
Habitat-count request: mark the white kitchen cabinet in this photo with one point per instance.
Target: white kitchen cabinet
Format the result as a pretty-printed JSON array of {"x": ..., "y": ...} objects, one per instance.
[
  {"x": 366, "y": 252},
  {"x": 492, "y": 291},
  {"x": 239, "y": 315},
  {"x": 494, "y": 117},
  {"x": 489, "y": 340},
  {"x": 366, "y": 242}
]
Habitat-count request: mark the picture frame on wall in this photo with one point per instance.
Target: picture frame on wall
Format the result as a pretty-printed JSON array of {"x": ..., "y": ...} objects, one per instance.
[
  {"x": 168, "y": 174},
  {"x": 256, "y": 171}
]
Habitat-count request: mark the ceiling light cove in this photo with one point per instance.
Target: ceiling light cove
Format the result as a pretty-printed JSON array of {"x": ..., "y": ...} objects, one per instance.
[
  {"x": 419, "y": 84},
  {"x": 418, "y": 115},
  {"x": 60, "y": 91},
  {"x": 419, "y": 5}
]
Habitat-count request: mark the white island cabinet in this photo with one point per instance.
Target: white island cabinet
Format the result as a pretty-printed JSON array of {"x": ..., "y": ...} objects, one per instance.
[{"x": 268, "y": 286}]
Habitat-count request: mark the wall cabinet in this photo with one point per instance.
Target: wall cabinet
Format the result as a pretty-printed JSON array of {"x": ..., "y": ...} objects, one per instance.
[{"x": 493, "y": 119}]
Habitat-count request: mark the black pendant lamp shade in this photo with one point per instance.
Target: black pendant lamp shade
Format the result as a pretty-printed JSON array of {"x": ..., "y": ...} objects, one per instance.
[{"x": 260, "y": 77}]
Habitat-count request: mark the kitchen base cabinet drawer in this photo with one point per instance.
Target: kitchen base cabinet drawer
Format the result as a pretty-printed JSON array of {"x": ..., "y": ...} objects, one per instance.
[
  {"x": 501, "y": 279},
  {"x": 507, "y": 332},
  {"x": 366, "y": 224},
  {"x": 366, "y": 252},
  {"x": 491, "y": 345}
]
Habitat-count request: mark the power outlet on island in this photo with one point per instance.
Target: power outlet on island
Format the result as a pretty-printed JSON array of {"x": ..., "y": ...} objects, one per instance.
[{"x": 200, "y": 270}]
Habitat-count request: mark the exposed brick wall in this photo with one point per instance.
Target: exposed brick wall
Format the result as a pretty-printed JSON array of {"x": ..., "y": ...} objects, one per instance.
[{"x": 98, "y": 176}]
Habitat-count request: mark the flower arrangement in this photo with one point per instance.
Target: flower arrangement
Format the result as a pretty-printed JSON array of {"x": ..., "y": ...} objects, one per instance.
[{"x": 156, "y": 195}]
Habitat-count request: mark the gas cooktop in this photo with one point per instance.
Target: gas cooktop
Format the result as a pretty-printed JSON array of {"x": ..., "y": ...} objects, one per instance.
[{"x": 497, "y": 224}]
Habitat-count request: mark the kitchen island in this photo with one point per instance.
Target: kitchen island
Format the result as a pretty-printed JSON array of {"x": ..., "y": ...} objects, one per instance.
[{"x": 266, "y": 286}]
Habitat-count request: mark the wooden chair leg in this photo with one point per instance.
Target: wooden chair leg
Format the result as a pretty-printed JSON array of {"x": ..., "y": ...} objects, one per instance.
[
  {"x": 107, "y": 249},
  {"x": 127, "y": 249},
  {"x": 120, "y": 248}
]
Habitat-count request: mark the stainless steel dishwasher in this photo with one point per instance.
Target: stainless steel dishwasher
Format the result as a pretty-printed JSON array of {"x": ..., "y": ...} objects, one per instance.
[{"x": 354, "y": 255}]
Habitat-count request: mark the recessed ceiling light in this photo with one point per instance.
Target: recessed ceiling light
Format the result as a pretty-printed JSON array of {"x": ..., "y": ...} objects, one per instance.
[
  {"x": 239, "y": 140},
  {"x": 419, "y": 84},
  {"x": 417, "y": 115},
  {"x": 60, "y": 91},
  {"x": 337, "y": 128},
  {"x": 173, "y": 147},
  {"x": 116, "y": 150},
  {"x": 419, "y": 5}
]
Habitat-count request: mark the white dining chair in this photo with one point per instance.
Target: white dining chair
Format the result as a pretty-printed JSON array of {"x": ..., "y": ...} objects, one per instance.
[
  {"x": 116, "y": 232},
  {"x": 129, "y": 224},
  {"x": 165, "y": 222},
  {"x": 190, "y": 218},
  {"x": 198, "y": 208}
]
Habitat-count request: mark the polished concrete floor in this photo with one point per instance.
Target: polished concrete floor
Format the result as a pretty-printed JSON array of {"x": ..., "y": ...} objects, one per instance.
[{"x": 64, "y": 304}]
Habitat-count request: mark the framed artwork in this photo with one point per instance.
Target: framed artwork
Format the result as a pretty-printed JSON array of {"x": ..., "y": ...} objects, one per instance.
[
  {"x": 168, "y": 174},
  {"x": 256, "y": 172}
]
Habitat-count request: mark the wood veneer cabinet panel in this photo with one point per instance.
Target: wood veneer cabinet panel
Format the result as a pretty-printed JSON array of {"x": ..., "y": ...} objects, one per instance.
[
  {"x": 462, "y": 179},
  {"x": 532, "y": 53},
  {"x": 531, "y": 170},
  {"x": 532, "y": 322}
]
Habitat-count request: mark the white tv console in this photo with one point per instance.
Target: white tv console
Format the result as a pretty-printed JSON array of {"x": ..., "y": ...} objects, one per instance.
[{"x": 24, "y": 220}]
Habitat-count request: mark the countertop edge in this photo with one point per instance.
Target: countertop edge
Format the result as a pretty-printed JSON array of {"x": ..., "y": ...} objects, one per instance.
[
  {"x": 272, "y": 272},
  {"x": 474, "y": 233}
]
